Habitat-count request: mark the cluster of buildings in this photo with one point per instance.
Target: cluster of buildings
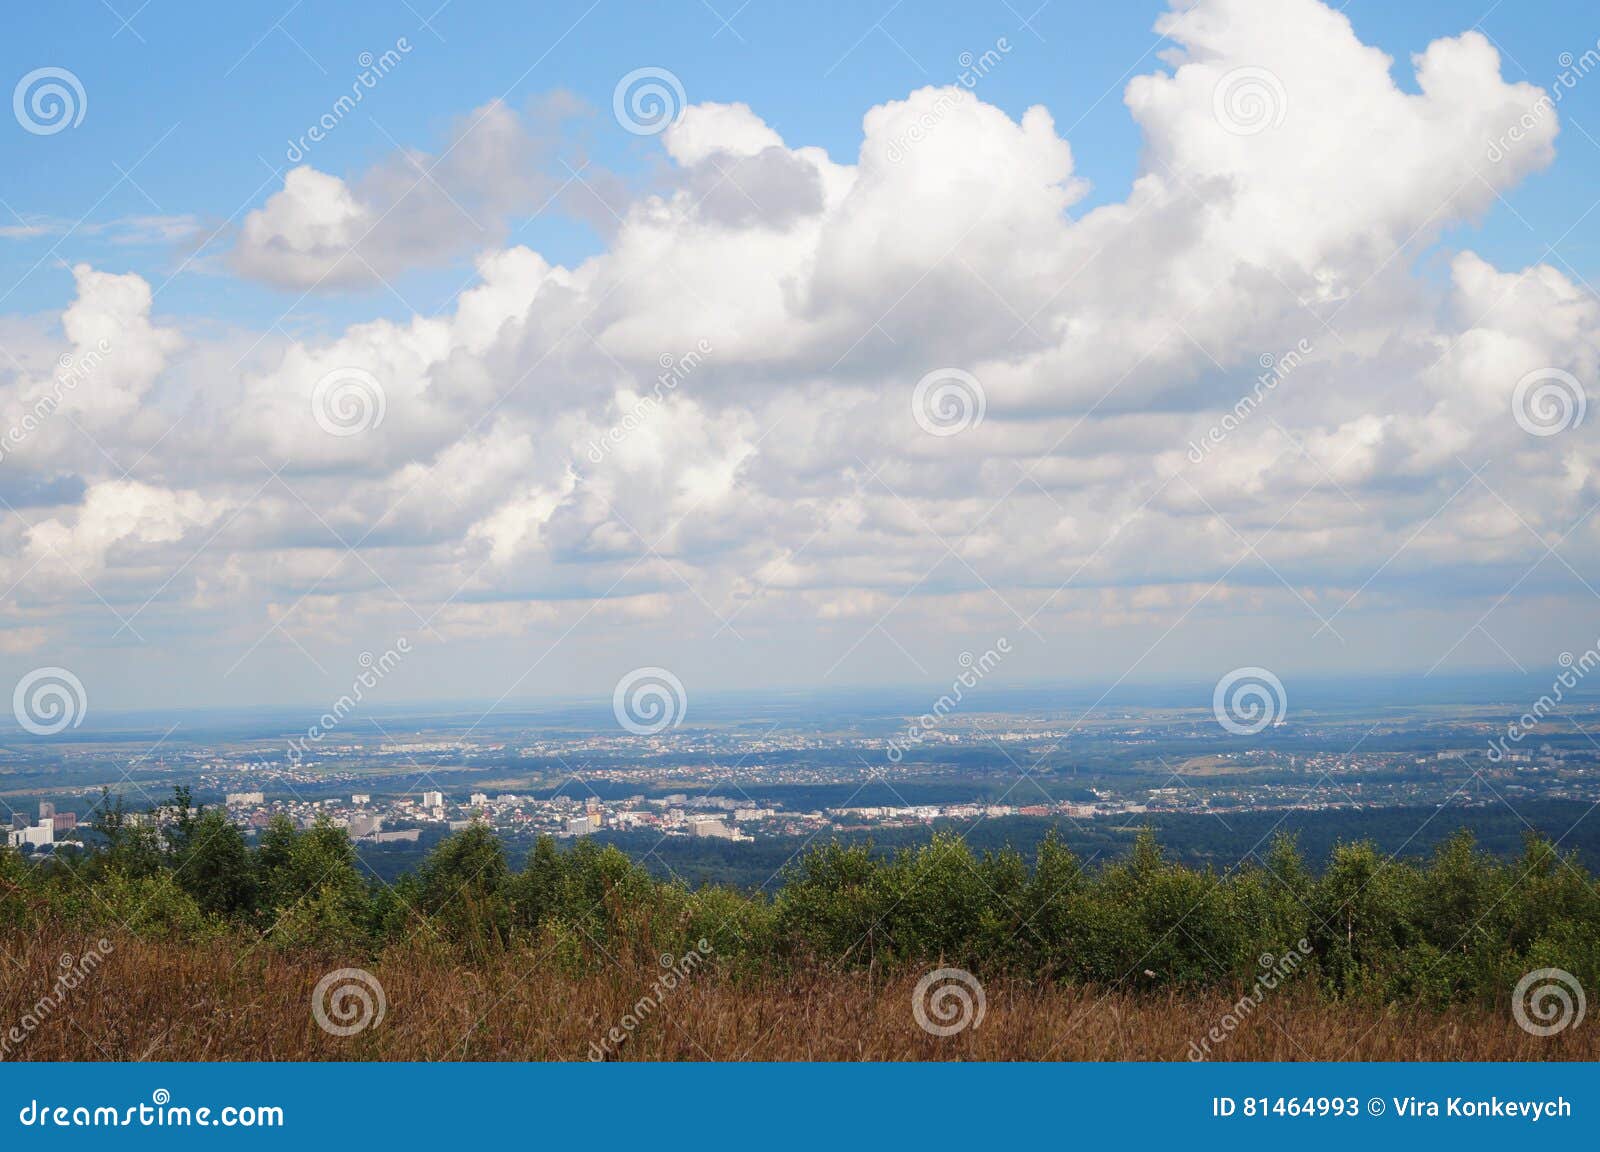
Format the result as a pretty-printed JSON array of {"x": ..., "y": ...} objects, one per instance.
[
  {"x": 1139, "y": 761},
  {"x": 404, "y": 818},
  {"x": 42, "y": 833},
  {"x": 1273, "y": 780}
]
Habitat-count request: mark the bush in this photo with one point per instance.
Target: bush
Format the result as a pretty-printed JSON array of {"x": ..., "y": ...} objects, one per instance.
[{"x": 1464, "y": 926}]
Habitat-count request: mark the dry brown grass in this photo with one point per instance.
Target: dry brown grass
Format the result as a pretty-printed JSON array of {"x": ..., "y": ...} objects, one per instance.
[{"x": 164, "y": 1001}]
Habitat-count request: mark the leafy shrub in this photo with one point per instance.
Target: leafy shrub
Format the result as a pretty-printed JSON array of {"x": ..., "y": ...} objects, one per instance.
[{"x": 1464, "y": 926}]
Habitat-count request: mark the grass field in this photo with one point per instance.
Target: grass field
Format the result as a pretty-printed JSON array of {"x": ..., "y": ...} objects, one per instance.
[{"x": 159, "y": 1000}]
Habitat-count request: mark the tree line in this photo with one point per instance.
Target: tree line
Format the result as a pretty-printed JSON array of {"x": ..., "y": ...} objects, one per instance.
[{"x": 1462, "y": 925}]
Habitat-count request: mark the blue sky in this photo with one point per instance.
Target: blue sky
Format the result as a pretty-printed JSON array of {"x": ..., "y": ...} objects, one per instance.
[
  {"x": 215, "y": 98},
  {"x": 850, "y": 371}
]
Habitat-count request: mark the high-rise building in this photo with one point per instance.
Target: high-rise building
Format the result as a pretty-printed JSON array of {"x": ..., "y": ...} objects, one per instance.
[
  {"x": 433, "y": 799},
  {"x": 46, "y": 809},
  {"x": 40, "y": 835}
]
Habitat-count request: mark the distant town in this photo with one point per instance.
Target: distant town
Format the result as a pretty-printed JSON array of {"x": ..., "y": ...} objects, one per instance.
[{"x": 732, "y": 780}]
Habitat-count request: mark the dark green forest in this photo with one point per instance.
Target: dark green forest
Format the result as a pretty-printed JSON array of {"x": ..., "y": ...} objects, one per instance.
[
  {"x": 1461, "y": 925},
  {"x": 1196, "y": 840}
]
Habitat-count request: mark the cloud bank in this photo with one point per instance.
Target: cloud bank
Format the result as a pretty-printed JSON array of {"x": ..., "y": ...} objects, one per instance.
[{"x": 829, "y": 418}]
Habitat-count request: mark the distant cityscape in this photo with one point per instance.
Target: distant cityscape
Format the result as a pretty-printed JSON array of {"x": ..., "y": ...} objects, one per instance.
[{"x": 807, "y": 778}]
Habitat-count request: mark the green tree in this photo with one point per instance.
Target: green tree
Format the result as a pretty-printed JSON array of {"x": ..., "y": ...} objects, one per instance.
[
  {"x": 212, "y": 864},
  {"x": 123, "y": 845},
  {"x": 311, "y": 888}
]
